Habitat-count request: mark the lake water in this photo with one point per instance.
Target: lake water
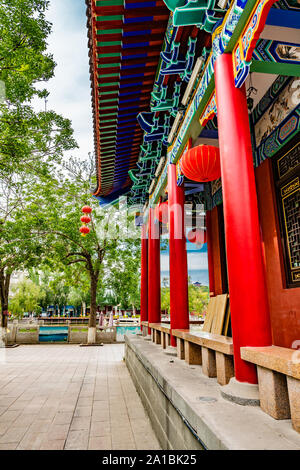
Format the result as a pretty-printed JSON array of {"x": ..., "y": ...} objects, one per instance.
[
  {"x": 124, "y": 330},
  {"x": 60, "y": 333},
  {"x": 53, "y": 334}
]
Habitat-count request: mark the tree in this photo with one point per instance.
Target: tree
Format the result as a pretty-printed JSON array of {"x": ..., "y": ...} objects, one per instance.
[
  {"x": 26, "y": 297},
  {"x": 18, "y": 249},
  {"x": 40, "y": 205},
  {"x": 56, "y": 217},
  {"x": 123, "y": 275},
  {"x": 60, "y": 287},
  {"x": 165, "y": 298},
  {"x": 29, "y": 140},
  {"x": 198, "y": 298},
  {"x": 30, "y": 143},
  {"x": 24, "y": 61}
]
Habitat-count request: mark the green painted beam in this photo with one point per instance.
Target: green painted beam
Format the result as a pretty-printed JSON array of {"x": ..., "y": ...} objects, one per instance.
[
  {"x": 109, "y": 107},
  {"x": 276, "y": 68},
  {"x": 109, "y": 100},
  {"x": 111, "y": 114},
  {"x": 106, "y": 66},
  {"x": 109, "y": 3},
  {"x": 110, "y": 18},
  {"x": 109, "y": 43},
  {"x": 112, "y": 92},
  {"x": 107, "y": 75},
  {"x": 105, "y": 132},
  {"x": 109, "y": 31},
  {"x": 108, "y": 84},
  {"x": 102, "y": 55},
  {"x": 110, "y": 127}
]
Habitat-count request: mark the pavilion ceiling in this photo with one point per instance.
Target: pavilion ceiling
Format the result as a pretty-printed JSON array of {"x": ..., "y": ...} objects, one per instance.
[
  {"x": 125, "y": 41},
  {"x": 140, "y": 65}
]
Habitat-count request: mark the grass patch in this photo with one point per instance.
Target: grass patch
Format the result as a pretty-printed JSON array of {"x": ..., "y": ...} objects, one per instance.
[{"x": 31, "y": 330}]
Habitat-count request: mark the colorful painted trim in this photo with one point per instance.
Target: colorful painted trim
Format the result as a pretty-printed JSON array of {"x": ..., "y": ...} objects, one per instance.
[
  {"x": 210, "y": 111},
  {"x": 242, "y": 53},
  {"x": 289, "y": 127},
  {"x": 276, "y": 88}
]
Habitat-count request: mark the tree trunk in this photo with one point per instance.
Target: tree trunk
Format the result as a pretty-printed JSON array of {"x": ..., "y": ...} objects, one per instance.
[
  {"x": 93, "y": 310},
  {"x": 4, "y": 290}
]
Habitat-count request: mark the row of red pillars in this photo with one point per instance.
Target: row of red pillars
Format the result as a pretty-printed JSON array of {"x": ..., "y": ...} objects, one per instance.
[
  {"x": 246, "y": 277},
  {"x": 150, "y": 262}
]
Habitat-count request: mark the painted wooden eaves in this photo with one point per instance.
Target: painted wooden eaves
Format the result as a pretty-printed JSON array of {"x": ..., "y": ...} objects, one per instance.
[{"x": 125, "y": 41}]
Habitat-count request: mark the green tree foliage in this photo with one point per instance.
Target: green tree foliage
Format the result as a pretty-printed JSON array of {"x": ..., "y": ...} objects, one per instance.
[
  {"x": 29, "y": 140},
  {"x": 26, "y": 297},
  {"x": 31, "y": 143},
  {"x": 40, "y": 208},
  {"x": 123, "y": 275},
  {"x": 198, "y": 298},
  {"x": 24, "y": 61},
  {"x": 56, "y": 212},
  {"x": 165, "y": 299},
  {"x": 63, "y": 287},
  {"x": 18, "y": 249}
]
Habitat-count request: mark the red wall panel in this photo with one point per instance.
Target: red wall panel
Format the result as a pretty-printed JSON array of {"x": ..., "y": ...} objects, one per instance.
[
  {"x": 215, "y": 247},
  {"x": 284, "y": 303}
]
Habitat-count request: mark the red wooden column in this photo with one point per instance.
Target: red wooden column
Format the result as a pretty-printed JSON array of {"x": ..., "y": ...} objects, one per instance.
[
  {"x": 247, "y": 287},
  {"x": 210, "y": 254},
  {"x": 144, "y": 275},
  {"x": 154, "y": 305},
  {"x": 179, "y": 308}
]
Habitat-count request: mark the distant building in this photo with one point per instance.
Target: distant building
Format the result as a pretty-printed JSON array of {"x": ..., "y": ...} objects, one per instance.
[{"x": 197, "y": 284}]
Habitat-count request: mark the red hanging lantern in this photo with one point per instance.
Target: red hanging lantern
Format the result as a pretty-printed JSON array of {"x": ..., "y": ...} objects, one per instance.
[
  {"x": 86, "y": 210},
  {"x": 197, "y": 236},
  {"x": 85, "y": 219},
  {"x": 84, "y": 230},
  {"x": 161, "y": 212},
  {"x": 201, "y": 163}
]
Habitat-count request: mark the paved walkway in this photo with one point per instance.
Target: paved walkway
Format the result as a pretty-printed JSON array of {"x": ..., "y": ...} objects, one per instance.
[{"x": 68, "y": 397}]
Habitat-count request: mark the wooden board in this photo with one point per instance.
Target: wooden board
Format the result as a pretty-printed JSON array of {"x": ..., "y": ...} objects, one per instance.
[
  {"x": 226, "y": 320},
  {"x": 219, "y": 316},
  {"x": 209, "y": 314}
]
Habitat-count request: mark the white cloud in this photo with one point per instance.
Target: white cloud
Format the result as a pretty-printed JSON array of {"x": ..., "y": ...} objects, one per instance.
[
  {"x": 196, "y": 261},
  {"x": 70, "y": 93},
  {"x": 164, "y": 262}
]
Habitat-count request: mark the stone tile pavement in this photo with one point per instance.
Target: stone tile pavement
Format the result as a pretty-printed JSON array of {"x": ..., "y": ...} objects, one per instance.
[{"x": 67, "y": 397}]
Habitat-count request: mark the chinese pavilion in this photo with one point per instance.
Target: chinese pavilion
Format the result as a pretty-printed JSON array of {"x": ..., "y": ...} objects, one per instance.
[{"x": 198, "y": 101}]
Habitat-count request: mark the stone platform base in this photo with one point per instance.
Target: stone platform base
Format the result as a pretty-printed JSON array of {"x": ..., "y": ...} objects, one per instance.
[
  {"x": 187, "y": 410},
  {"x": 171, "y": 429},
  {"x": 241, "y": 393}
]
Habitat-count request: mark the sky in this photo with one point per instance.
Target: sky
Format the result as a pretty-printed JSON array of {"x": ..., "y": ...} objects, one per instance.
[
  {"x": 197, "y": 263},
  {"x": 70, "y": 92}
]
